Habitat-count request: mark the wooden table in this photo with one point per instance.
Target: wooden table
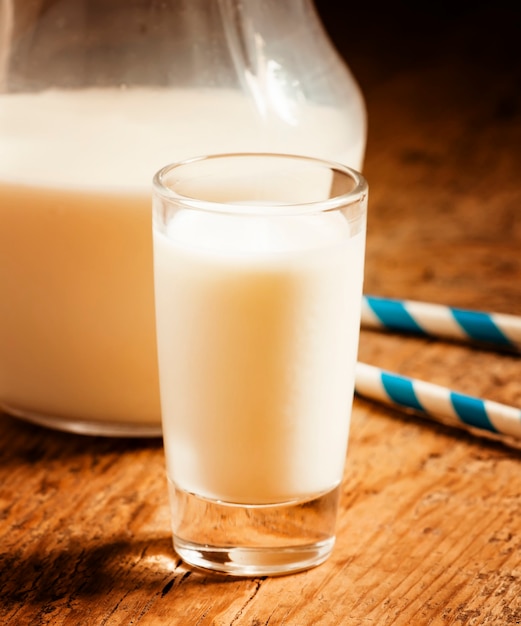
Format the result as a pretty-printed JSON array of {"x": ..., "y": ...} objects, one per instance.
[{"x": 430, "y": 523}]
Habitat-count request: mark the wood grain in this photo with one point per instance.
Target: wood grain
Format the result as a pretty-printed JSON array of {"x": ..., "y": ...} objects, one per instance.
[{"x": 430, "y": 525}]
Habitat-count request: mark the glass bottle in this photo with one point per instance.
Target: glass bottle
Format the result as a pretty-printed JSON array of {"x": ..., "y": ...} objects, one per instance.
[{"x": 95, "y": 96}]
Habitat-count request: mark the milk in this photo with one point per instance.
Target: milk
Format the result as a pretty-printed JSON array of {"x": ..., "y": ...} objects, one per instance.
[
  {"x": 257, "y": 325},
  {"x": 77, "y": 334},
  {"x": 77, "y": 328}
]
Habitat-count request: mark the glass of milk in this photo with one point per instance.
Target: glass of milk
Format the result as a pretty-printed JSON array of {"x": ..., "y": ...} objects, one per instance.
[{"x": 258, "y": 272}]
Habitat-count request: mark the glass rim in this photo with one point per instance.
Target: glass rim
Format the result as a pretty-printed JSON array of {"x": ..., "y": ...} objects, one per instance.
[{"x": 355, "y": 195}]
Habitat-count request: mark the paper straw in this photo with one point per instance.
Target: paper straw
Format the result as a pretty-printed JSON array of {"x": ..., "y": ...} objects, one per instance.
[
  {"x": 437, "y": 402},
  {"x": 497, "y": 329}
]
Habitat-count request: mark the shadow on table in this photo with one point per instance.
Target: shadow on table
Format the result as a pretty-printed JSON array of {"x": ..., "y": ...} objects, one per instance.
[{"x": 107, "y": 570}]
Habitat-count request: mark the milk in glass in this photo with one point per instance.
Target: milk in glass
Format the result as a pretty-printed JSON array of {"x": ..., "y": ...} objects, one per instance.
[{"x": 258, "y": 323}]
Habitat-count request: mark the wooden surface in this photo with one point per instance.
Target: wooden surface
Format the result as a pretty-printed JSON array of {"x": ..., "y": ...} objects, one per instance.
[{"x": 430, "y": 526}]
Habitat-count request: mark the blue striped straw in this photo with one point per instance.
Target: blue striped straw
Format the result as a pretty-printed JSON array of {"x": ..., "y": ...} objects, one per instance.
[
  {"x": 437, "y": 402},
  {"x": 497, "y": 329}
]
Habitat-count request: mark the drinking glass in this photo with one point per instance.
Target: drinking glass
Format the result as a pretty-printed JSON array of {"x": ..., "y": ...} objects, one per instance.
[{"x": 258, "y": 272}]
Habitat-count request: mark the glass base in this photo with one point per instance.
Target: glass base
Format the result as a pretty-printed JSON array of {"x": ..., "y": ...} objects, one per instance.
[
  {"x": 85, "y": 427},
  {"x": 253, "y": 540}
]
